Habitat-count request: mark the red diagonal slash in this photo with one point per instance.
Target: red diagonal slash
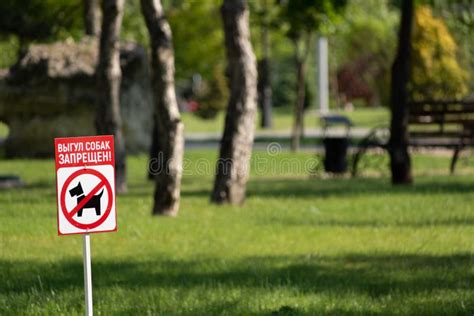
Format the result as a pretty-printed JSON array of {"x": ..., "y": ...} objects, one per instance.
[{"x": 86, "y": 199}]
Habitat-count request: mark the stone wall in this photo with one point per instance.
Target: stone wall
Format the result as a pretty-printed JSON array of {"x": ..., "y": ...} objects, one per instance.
[{"x": 51, "y": 92}]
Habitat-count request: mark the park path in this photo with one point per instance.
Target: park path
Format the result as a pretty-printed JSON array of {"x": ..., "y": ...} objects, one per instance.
[{"x": 265, "y": 137}]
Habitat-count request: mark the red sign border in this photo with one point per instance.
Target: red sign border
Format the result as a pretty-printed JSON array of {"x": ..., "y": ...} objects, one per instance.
[
  {"x": 62, "y": 199},
  {"x": 112, "y": 164}
]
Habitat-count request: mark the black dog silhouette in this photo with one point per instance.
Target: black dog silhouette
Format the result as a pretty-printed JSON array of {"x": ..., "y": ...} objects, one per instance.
[{"x": 94, "y": 202}]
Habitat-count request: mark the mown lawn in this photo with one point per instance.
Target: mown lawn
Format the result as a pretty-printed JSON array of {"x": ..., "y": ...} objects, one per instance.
[
  {"x": 283, "y": 119},
  {"x": 299, "y": 246}
]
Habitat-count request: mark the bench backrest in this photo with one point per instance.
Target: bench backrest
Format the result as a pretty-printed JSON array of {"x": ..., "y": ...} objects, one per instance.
[{"x": 447, "y": 116}]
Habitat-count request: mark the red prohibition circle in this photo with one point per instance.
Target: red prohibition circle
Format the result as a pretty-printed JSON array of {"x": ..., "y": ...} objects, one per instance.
[{"x": 109, "y": 195}]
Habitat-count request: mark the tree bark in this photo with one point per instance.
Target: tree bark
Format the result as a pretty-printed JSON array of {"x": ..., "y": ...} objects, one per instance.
[
  {"x": 108, "y": 119},
  {"x": 92, "y": 17},
  {"x": 169, "y": 127},
  {"x": 298, "y": 110},
  {"x": 153, "y": 165},
  {"x": 233, "y": 166},
  {"x": 264, "y": 76},
  {"x": 265, "y": 93},
  {"x": 400, "y": 163},
  {"x": 299, "y": 106}
]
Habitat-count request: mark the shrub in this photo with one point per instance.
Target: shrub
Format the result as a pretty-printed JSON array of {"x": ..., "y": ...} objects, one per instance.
[{"x": 436, "y": 73}]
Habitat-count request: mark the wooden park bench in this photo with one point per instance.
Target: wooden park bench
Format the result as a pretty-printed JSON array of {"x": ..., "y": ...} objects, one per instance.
[{"x": 432, "y": 124}]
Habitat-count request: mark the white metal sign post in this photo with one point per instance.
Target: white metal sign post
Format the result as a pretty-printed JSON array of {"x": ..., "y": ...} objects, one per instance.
[
  {"x": 85, "y": 186},
  {"x": 86, "y": 247}
]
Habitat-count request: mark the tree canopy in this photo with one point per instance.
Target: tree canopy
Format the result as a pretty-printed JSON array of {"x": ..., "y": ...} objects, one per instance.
[
  {"x": 307, "y": 16},
  {"x": 39, "y": 19}
]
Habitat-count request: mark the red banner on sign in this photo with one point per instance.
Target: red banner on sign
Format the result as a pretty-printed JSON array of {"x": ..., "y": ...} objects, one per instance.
[{"x": 84, "y": 151}]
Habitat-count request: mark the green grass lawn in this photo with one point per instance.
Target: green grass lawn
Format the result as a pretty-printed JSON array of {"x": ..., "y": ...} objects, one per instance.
[
  {"x": 299, "y": 246},
  {"x": 283, "y": 119}
]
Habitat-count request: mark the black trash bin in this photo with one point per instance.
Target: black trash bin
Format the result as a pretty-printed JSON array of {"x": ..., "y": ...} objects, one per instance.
[
  {"x": 335, "y": 145},
  {"x": 335, "y": 154}
]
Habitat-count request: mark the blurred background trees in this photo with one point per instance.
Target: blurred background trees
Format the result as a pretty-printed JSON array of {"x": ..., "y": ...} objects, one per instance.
[
  {"x": 359, "y": 68},
  {"x": 24, "y": 21},
  {"x": 362, "y": 45},
  {"x": 436, "y": 72},
  {"x": 92, "y": 17},
  {"x": 303, "y": 20},
  {"x": 458, "y": 15}
]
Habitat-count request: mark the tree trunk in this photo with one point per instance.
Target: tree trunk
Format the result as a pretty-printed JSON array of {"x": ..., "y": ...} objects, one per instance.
[
  {"x": 233, "y": 166},
  {"x": 168, "y": 128},
  {"x": 92, "y": 17},
  {"x": 153, "y": 164},
  {"x": 264, "y": 77},
  {"x": 108, "y": 119},
  {"x": 398, "y": 145},
  {"x": 265, "y": 93},
  {"x": 299, "y": 106},
  {"x": 298, "y": 110}
]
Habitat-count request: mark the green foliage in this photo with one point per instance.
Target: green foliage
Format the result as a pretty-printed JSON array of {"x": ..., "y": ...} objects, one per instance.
[
  {"x": 283, "y": 81},
  {"x": 40, "y": 19},
  {"x": 300, "y": 19},
  {"x": 436, "y": 73},
  {"x": 3, "y": 130},
  {"x": 24, "y": 21},
  {"x": 459, "y": 17},
  {"x": 307, "y": 16},
  {"x": 197, "y": 36},
  {"x": 199, "y": 49},
  {"x": 264, "y": 14},
  {"x": 9, "y": 47},
  {"x": 133, "y": 25},
  {"x": 213, "y": 95},
  {"x": 376, "y": 20},
  {"x": 367, "y": 19},
  {"x": 268, "y": 13}
]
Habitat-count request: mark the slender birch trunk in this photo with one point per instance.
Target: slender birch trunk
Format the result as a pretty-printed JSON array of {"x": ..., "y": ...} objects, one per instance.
[
  {"x": 109, "y": 75},
  {"x": 168, "y": 138},
  {"x": 233, "y": 166}
]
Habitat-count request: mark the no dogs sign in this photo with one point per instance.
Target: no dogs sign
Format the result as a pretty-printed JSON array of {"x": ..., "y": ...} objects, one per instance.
[{"x": 85, "y": 182}]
